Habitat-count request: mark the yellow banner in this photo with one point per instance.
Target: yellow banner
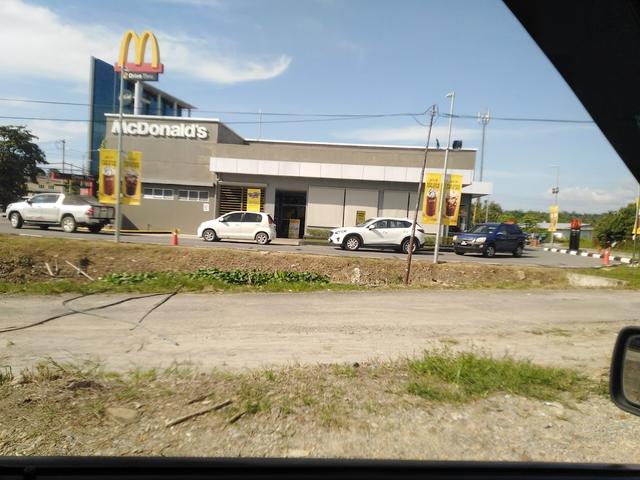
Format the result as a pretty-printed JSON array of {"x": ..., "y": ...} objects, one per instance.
[
  {"x": 452, "y": 197},
  {"x": 553, "y": 218},
  {"x": 636, "y": 228},
  {"x": 253, "y": 199},
  {"x": 361, "y": 216},
  {"x": 431, "y": 203},
  {"x": 132, "y": 178},
  {"x": 107, "y": 176}
]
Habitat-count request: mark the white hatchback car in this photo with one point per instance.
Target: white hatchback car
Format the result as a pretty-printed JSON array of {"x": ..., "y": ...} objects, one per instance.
[
  {"x": 239, "y": 226},
  {"x": 379, "y": 232}
]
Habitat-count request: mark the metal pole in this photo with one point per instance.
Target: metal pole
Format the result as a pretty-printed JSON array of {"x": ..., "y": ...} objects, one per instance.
[
  {"x": 63, "y": 154},
  {"x": 415, "y": 213},
  {"x": 484, "y": 120},
  {"x": 259, "y": 124},
  {"x": 119, "y": 167},
  {"x": 555, "y": 191},
  {"x": 636, "y": 225},
  {"x": 436, "y": 249}
]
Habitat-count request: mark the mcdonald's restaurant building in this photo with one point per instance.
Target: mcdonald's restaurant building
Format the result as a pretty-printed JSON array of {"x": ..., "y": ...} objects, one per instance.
[{"x": 195, "y": 169}]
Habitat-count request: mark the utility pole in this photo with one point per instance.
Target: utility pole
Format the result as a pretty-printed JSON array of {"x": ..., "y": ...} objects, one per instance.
[
  {"x": 436, "y": 250},
  {"x": 119, "y": 167},
  {"x": 64, "y": 142},
  {"x": 259, "y": 123},
  {"x": 636, "y": 226},
  {"x": 484, "y": 120},
  {"x": 556, "y": 191},
  {"x": 434, "y": 112}
]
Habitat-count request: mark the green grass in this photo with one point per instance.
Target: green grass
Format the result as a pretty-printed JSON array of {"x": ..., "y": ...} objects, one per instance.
[
  {"x": 200, "y": 280},
  {"x": 460, "y": 377},
  {"x": 627, "y": 273}
]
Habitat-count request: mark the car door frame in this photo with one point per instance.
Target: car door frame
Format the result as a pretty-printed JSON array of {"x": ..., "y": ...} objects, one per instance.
[
  {"x": 50, "y": 209},
  {"x": 502, "y": 242},
  {"x": 230, "y": 226},
  {"x": 375, "y": 237},
  {"x": 249, "y": 228},
  {"x": 32, "y": 211}
]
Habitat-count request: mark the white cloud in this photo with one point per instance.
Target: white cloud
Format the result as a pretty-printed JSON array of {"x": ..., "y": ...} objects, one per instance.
[
  {"x": 415, "y": 134},
  {"x": 193, "y": 3},
  {"x": 47, "y": 131},
  {"x": 36, "y": 39},
  {"x": 581, "y": 198}
]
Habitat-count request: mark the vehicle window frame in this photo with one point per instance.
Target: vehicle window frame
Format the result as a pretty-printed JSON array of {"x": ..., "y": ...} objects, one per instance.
[
  {"x": 377, "y": 223},
  {"x": 256, "y": 215},
  {"x": 227, "y": 219}
]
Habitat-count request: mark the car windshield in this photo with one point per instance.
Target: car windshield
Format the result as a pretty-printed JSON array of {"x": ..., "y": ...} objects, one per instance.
[
  {"x": 483, "y": 229},
  {"x": 246, "y": 282}
]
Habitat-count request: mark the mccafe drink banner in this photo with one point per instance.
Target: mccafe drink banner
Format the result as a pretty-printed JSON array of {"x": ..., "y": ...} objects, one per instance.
[
  {"x": 131, "y": 178},
  {"x": 253, "y": 199},
  {"x": 452, "y": 196},
  {"x": 107, "y": 176}
]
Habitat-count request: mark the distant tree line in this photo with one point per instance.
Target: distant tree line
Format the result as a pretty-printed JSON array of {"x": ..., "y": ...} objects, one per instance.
[{"x": 612, "y": 226}]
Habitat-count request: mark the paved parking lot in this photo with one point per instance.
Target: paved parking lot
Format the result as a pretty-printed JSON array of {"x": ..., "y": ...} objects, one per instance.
[{"x": 532, "y": 256}]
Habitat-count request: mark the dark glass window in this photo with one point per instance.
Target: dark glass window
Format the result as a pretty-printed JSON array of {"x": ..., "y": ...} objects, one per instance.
[
  {"x": 252, "y": 218},
  {"x": 233, "y": 217}
]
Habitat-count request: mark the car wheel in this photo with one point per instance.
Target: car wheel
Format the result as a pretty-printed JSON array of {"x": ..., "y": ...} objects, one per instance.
[
  {"x": 405, "y": 245},
  {"x": 43, "y": 227},
  {"x": 518, "y": 251},
  {"x": 352, "y": 243},
  {"x": 69, "y": 224},
  {"x": 459, "y": 252},
  {"x": 95, "y": 228},
  {"x": 16, "y": 220},
  {"x": 262, "y": 238},
  {"x": 489, "y": 251},
  {"x": 209, "y": 235}
]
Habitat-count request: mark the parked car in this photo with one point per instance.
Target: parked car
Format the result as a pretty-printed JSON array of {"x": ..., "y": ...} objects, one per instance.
[
  {"x": 379, "y": 232},
  {"x": 489, "y": 239},
  {"x": 61, "y": 210},
  {"x": 239, "y": 226}
]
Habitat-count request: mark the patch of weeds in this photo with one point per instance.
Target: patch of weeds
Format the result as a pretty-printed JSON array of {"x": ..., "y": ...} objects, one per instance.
[
  {"x": 559, "y": 332},
  {"x": 179, "y": 370},
  {"x": 331, "y": 416},
  {"x": 139, "y": 375},
  {"x": 345, "y": 371},
  {"x": 270, "y": 376},
  {"x": 459, "y": 377},
  {"x": 309, "y": 400},
  {"x": 129, "y": 392},
  {"x": 25, "y": 261},
  {"x": 6, "y": 374}
]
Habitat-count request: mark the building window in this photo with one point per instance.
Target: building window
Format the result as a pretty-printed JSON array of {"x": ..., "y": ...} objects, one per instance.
[
  {"x": 158, "y": 193},
  {"x": 193, "y": 195}
]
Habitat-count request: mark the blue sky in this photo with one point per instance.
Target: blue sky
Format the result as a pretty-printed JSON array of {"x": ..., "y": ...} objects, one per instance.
[{"x": 328, "y": 56}]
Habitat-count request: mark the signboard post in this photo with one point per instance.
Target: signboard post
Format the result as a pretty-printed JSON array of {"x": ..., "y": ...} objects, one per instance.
[{"x": 553, "y": 220}]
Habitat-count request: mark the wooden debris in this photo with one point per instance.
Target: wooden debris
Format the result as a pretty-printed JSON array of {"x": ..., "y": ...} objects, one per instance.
[
  {"x": 237, "y": 416},
  {"x": 199, "y": 398},
  {"x": 49, "y": 269},
  {"x": 78, "y": 270},
  {"x": 198, "y": 413}
]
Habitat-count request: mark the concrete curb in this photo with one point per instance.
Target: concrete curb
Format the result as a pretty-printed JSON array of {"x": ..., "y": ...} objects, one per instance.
[{"x": 583, "y": 253}]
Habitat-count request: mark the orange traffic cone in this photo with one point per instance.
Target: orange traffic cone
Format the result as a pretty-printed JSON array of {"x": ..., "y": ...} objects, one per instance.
[
  {"x": 605, "y": 256},
  {"x": 174, "y": 237}
]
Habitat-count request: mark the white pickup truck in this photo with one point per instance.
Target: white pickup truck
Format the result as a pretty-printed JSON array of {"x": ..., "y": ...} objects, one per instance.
[{"x": 59, "y": 209}]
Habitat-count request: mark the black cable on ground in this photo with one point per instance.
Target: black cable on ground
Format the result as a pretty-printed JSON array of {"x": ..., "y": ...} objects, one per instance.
[
  {"x": 73, "y": 312},
  {"x": 161, "y": 302}
]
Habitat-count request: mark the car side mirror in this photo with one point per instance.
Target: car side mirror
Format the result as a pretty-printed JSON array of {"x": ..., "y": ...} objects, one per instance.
[
  {"x": 371, "y": 227},
  {"x": 28, "y": 201},
  {"x": 624, "y": 375}
]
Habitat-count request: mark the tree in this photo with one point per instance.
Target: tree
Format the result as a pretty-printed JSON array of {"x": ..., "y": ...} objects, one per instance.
[
  {"x": 19, "y": 159},
  {"x": 615, "y": 226}
]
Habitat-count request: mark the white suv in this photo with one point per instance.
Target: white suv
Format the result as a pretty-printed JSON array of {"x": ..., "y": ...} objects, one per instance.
[
  {"x": 239, "y": 226},
  {"x": 380, "y": 232}
]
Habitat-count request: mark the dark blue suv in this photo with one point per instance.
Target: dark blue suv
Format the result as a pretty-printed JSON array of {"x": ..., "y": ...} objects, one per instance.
[{"x": 489, "y": 239}]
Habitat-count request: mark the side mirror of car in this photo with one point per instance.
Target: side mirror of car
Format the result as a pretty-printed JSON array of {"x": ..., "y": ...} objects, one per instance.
[
  {"x": 28, "y": 201},
  {"x": 500, "y": 234},
  {"x": 371, "y": 227},
  {"x": 624, "y": 376}
]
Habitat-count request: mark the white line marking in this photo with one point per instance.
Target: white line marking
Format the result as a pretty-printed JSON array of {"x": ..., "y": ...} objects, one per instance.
[
  {"x": 584, "y": 254},
  {"x": 29, "y": 235},
  {"x": 572, "y": 252}
]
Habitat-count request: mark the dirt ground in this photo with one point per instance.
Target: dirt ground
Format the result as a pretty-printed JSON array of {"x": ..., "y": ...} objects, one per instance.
[
  {"x": 324, "y": 411},
  {"x": 24, "y": 261}
]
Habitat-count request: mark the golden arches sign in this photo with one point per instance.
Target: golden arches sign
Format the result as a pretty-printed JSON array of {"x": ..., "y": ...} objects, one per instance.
[{"x": 139, "y": 45}]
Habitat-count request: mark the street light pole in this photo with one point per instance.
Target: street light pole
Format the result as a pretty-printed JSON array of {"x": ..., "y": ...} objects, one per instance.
[
  {"x": 420, "y": 183},
  {"x": 636, "y": 226},
  {"x": 484, "y": 120},
  {"x": 119, "y": 167},
  {"x": 436, "y": 250},
  {"x": 555, "y": 191}
]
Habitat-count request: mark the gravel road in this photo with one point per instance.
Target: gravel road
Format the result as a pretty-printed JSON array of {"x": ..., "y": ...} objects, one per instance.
[{"x": 574, "y": 328}]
